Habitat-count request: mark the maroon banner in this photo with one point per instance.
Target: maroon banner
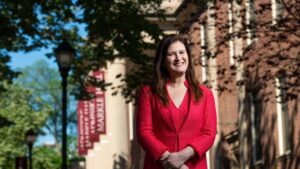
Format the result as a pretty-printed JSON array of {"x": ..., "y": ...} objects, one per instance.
[
  {"x": 84, "y": 142},
  {"x": 91, "y": 116},
  {"x": 99, "y": 105},
  {"x": 80, "y": 129},
  {"x": 90, "y": 105}
]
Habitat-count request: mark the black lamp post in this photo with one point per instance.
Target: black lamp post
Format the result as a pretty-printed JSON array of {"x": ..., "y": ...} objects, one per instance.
[
  {"x": 64, "y": 57},
  {"x": 30, "y": 139}
]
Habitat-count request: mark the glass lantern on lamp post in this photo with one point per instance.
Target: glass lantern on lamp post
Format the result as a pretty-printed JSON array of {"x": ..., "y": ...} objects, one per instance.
[{"x": 64, "y": 57}]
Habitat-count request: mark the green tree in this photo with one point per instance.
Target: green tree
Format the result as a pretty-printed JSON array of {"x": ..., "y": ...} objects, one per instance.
[
  {"x": 15, "y": 106},
  {"x": 46, "y": 157},
  {"x": 33, "y": 24},
  {"x": 45, "y": 82},
  {"x": 6, "y": 73},
  {"x": 28, "y": 25}
]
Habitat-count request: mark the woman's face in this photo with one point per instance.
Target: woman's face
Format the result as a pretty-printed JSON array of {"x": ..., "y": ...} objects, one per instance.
[{"x": 177, "y": 59}]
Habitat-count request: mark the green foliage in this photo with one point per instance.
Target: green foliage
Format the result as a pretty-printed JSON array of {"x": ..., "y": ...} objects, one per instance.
[
  {"x": 45, "y": 83},
  {"x": 26, "y": 25},
  {"x": 4, "y": 122},
  {"x": 14, "y": 106},
  {"x": 72, "y": 150},
  {"x": 32, "y": 24},
  {"x": 29, "y": 25},
  {"x": 46, "y": 157},
  {"x": 116, "y": 30},
  {"x": 6, "y": 74}
]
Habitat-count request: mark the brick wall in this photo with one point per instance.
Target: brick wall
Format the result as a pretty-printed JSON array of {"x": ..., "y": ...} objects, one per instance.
[{"x": 257, "y": 144}]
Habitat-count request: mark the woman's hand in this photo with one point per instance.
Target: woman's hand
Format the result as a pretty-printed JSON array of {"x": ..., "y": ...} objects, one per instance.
[
  {"x": 177, "y": 159},
  {"x": 184, "y": 167},
  {"x": 165, "y": 155}
]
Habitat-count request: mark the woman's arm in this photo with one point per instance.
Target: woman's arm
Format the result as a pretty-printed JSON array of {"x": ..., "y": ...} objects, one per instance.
[
  {"x": 144, "y": 126},
  {"x": 205, "y": 140}
]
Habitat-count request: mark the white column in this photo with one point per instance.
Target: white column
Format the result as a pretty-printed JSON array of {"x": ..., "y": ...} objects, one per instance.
[
  {"x": 212, "y": 69},
  {"x": 131, "y": 120},
  {"x": 282, "y": 122},
  {"x": 116, "y": 140}
]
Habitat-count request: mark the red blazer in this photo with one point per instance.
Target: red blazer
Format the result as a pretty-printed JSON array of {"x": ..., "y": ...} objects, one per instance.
[{"x": 156, "y": 132}]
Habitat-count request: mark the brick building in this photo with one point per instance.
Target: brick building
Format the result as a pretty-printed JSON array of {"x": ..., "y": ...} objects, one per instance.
[{"x": 248, "y": 52}]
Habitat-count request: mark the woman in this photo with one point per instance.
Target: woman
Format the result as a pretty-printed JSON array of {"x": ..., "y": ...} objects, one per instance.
[{"x": 176, "y": 117}]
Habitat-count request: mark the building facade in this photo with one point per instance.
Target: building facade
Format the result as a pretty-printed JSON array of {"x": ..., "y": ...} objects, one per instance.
[{"x": 248, "y": 53}]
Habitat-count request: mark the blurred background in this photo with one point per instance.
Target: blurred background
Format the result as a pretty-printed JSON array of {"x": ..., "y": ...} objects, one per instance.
[{"x": 70, "y": 72}]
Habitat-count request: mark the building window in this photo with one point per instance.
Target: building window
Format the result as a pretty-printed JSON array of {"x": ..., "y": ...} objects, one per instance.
[
  {"x": 204, "y": 60},
  {"x": 230, "y": 31},
  {"x": 250, "y": 21},
  {"x": 277, "y": 11},
  {"x": 282, "y": 116},
  {"x": 255, "y": 114}
]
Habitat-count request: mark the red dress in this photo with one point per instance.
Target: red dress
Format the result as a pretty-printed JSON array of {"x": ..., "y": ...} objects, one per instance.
[
  {"x": 159, "y": 129},
  {"x": 179, "y": 114}
]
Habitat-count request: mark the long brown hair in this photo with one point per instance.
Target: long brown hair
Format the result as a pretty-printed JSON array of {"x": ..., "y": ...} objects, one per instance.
[{"x": 161, "y": 74}]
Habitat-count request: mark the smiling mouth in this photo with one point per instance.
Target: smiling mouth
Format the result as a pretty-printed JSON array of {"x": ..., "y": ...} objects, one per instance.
[{"x": 179, "y": 64}]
